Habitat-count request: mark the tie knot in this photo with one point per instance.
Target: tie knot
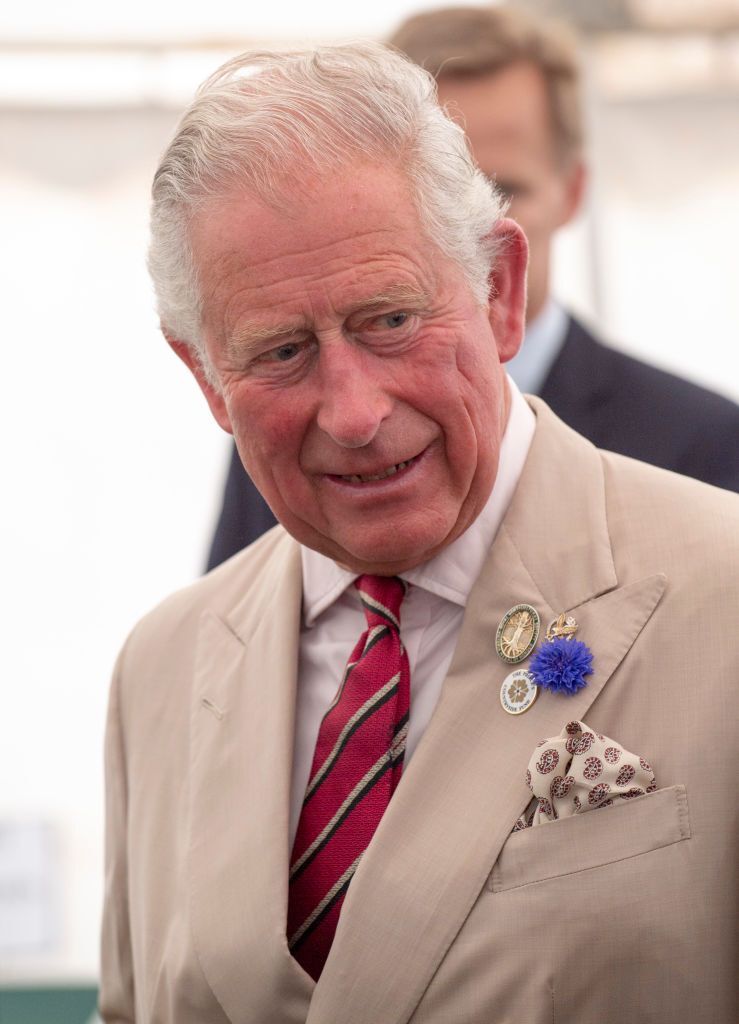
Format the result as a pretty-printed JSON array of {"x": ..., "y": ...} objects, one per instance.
[{"x": 381, "y": 597}]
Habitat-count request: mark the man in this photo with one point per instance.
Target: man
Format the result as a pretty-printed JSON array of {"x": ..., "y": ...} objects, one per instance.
[
  {"x": 513, "y": 82},
  {"x": 285, "y": 844}
]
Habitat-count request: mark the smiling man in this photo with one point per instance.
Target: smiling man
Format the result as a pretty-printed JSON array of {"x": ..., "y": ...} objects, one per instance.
[
  {"x": 319, "y": 757},
  {"x": 363, "y": 385}
]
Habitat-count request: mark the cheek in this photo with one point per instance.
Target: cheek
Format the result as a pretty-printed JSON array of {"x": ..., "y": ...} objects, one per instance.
[
  {"x": 268, "y": 427},
  {"x": 546, "y": 209},
  {"x": 537, "y": 211},
  {"x": 477, "y": 368},
  {"x": 529, "y": 214},
  {"x": 484, "y": 402}
]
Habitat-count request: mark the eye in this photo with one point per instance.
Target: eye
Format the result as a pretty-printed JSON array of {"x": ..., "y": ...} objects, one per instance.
[
  {"x": 285, "y": 352},
  {"x": 285, "y": 358},
  {"x": 508, "y": 189},
  {"x": 399, "y": 321},
  {"x": 395, "y": 319},
  {"x": 387, "y": 329}
]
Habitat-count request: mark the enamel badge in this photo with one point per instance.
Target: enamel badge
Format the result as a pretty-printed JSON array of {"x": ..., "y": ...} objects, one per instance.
[
  {"x": 518, "y": 692},
  {"x": 517, "y": 633}
]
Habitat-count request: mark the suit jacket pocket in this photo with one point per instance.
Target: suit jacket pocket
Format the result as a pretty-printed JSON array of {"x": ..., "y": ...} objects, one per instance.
[{"x": 602, "y": 836}]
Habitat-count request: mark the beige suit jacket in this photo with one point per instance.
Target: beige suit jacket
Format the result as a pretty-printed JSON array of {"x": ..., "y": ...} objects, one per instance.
[{"x": 624, "y": 914}]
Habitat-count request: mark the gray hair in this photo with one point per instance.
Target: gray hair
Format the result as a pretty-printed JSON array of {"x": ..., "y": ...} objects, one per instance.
[{"x": 266, "y": 121}]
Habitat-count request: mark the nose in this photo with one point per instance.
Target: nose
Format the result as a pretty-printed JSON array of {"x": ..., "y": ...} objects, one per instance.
[{"x": 353, "y": 401}]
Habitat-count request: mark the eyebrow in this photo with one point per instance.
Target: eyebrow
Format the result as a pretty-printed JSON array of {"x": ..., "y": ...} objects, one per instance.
[
  {"x": 251, "y": 333},
  {"x": 400, "y": 296}
]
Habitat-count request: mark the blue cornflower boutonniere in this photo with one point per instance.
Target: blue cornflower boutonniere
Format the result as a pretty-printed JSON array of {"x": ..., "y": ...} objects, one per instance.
[{"x": 562, "y": 662}]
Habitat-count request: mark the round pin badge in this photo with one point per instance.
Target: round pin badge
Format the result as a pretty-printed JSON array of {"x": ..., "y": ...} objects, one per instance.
[
  {"x": 518, "y": 692},
  {"x": 517, "y": 633}
]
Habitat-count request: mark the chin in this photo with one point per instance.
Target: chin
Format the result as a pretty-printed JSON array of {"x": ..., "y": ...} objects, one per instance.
[
  {"x": 385, "y": 548},
  {"x": 394, "y": 555}
]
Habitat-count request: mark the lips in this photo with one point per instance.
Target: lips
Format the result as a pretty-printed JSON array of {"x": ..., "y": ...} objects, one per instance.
[
  {"x": 367, "y": 478},
  {"x": 357, "y": 478}
]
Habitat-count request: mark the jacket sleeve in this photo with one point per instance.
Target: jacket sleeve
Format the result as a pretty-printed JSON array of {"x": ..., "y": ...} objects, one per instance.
[{"x": 116, "y": 1000}]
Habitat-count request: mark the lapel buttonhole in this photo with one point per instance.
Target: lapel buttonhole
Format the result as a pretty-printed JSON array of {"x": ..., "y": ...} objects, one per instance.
[{"x": 213, "y": 708}]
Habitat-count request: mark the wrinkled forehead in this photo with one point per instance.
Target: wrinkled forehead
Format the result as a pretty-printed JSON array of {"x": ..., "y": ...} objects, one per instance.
[
  {"x": 350, "y": 241},
  {"x": 300, "y": 179},
  {"x": 320, "y": 216}
]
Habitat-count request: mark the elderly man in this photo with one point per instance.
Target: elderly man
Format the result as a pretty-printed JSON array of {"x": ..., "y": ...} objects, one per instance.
[
  {"x": 456, "y": 741},
  {"x": 513, "y": 82}
]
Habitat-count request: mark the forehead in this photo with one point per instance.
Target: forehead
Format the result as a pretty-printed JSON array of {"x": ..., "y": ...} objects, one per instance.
[
  {"x": 355, "y": 234},
  {"x": 505, "y": 113}
]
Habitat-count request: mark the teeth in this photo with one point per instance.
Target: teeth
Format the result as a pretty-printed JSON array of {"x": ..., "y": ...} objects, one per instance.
[{"x": 356, "y": 479}]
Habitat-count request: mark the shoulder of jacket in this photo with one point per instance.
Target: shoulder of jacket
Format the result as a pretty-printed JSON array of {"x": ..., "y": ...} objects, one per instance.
[{"x": 219, "y": 589}]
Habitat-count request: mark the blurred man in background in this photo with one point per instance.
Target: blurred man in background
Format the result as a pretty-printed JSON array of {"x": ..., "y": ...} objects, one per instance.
[{"x": 514, "y": 83}]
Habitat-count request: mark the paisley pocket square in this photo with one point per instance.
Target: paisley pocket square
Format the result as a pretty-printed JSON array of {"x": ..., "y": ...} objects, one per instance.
[{"x": 581, "y": 770}]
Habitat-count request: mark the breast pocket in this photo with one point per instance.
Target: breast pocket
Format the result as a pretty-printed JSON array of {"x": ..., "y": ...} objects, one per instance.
[{"x": 603, "y": 836}]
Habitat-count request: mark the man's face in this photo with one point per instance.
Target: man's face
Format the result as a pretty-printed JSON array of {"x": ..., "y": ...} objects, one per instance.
[
  {"x": 359, "y": 376},
  {"x": 507, "y": 119}
]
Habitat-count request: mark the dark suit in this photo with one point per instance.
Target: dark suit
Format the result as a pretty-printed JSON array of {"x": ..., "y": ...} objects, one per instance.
[{"x": 617, "y": 402}]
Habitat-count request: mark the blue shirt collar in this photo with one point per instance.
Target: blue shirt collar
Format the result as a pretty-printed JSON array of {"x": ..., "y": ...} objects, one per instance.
[{"x": 544, "y": 338}]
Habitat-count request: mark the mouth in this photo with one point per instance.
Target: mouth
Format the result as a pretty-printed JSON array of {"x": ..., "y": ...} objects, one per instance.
[{"x": 371, "y": 478}]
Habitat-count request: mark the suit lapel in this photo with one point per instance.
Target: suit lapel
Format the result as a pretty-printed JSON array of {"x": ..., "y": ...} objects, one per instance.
[
  {"x": 241, "y": 758},
  {"x": 465, "y": 786}
]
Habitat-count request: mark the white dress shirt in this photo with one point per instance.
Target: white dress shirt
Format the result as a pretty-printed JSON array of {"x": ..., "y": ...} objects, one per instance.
[{"x": 431, "y": 613}]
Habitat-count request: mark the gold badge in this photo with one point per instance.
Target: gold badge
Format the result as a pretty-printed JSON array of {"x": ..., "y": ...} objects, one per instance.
[
  {"x": 517, "y": 633},
  {"x": 518, "y": 692},
  {"x": 564, "y": 625}
]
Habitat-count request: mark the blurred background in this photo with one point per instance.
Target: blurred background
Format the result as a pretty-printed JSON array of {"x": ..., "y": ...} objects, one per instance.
[{"x": 114, "y": 465}]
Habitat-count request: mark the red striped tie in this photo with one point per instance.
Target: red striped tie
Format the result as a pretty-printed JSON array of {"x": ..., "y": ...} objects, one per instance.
[{"x": 356, "y": 767}]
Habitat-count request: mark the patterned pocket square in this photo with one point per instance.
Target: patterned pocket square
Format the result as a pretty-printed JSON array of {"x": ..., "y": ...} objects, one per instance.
[{"x": 578, "y": 771}]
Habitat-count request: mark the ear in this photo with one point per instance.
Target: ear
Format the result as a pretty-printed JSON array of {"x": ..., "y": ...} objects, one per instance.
[
  {"x": 213, "y": 396},
  {"x": 507, "y": 300}
]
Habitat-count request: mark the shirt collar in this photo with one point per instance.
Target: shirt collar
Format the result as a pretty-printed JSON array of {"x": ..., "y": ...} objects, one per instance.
[
  {"x": 452, "y": 572},
  {"x": 544, "y": 338}
]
